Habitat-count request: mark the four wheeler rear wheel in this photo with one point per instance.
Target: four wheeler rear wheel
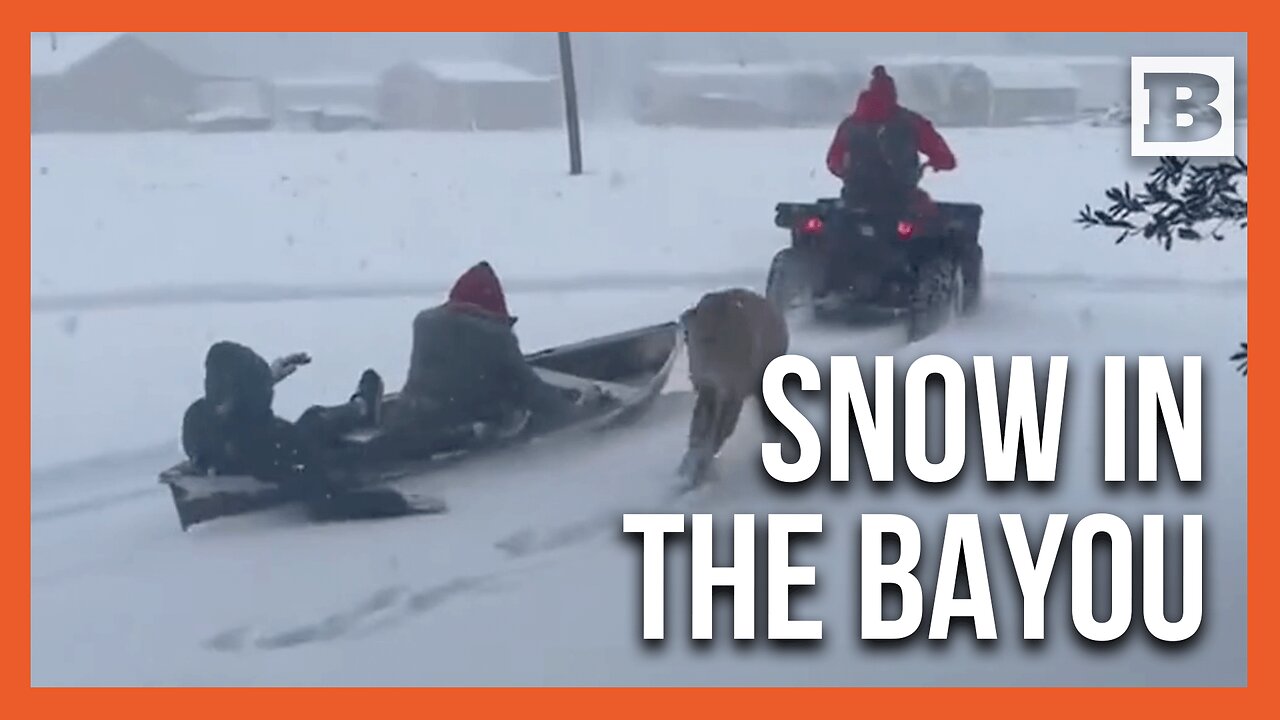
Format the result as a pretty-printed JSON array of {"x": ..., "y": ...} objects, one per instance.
[
  {"x": 792, "y": 280},
  {"x": 973, "y": 277},
  {"x": 938, "y": 298}
]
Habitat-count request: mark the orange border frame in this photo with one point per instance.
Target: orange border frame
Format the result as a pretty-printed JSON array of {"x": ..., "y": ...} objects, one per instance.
[{"x": 725, "y": 15}]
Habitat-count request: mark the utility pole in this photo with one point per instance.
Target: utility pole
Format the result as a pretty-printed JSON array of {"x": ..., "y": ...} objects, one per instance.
[{"x": 570, "y": 104}]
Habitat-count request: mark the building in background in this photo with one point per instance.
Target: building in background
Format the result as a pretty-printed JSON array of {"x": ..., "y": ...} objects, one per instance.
[
  {"x": 121, "y": 82},
  {"x": 999, "y": 90},
  {"x": 1103, "y": 80},
  {"x": 1125, "y": 44},
  {"x": 232, "y": 105},
  {"x": 327, "y": 103},
  {"x": 1017, "y": 92},
  {"x": 103, "y": 82},
  {"x": 106, "y": 82},
  {"x": 744, "y": 94},
  {"x": 467, "y": 95}
]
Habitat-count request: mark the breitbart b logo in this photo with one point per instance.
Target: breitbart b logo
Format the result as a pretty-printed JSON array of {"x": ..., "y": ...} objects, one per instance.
[{"x": 1183, "y": 106}]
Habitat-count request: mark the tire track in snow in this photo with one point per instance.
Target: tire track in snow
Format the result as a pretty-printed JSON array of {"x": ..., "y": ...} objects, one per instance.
[{"x": 160, "y": 295}]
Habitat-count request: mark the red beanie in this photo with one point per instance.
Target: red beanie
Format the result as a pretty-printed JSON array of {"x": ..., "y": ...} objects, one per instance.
[
  {"x": 882, "y": 85},
  {"x": 479, "y": 289}
]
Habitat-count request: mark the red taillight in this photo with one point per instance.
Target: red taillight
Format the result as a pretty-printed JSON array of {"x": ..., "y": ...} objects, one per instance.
[
  {"x": 905, "y": 229},
  {"x": 811, "y": 225}
]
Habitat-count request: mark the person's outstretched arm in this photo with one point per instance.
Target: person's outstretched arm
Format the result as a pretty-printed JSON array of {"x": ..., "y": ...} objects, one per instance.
[{"x": 283, "y": 367}]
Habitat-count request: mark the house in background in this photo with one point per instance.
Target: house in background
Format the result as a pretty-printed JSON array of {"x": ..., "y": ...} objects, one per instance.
[
  {"x": 461, "y": 95},
  {"x": 988, "y": 90},
  {"x": 1104, "y": 81},
  {"x": 327, "y": 103},
  {"x": 1024, "y": 93},
  {"x": 106, "y": 82},
  {"x": 743, "y": 94},
  {"x": 232, "y": 105}
]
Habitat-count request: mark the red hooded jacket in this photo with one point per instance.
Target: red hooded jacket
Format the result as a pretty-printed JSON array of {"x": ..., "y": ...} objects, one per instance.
[{"x": 877, "y": 104}]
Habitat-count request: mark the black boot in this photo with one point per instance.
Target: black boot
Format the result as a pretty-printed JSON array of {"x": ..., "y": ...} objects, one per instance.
[{"x": 369, "y": 393}]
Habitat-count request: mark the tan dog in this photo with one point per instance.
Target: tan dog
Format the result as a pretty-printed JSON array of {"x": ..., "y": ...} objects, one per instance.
[{"x": 731, "y": 336}]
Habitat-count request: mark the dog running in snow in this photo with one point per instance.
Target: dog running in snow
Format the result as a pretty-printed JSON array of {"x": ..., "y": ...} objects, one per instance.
[{"x": 731, "y": 336}]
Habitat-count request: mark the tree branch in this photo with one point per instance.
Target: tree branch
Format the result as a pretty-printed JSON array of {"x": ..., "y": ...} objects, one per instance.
[{"x": 1177, "y": 201}]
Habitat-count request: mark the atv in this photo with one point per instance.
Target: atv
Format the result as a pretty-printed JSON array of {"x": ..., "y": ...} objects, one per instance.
[{"x": 848, "y": 262}]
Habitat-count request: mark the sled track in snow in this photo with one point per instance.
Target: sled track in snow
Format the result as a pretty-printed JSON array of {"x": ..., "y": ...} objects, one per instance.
[
  {"x": 92, "y": 504},
  {"x": 89, "y": 472},
  {"x": 108, "y": 480},
  {"x": 161, "y": 295},
  {"x": 95, "y": 465}
]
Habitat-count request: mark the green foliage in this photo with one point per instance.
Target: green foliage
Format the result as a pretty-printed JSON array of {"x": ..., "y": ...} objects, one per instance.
[{"x": 1177, "y": 201}]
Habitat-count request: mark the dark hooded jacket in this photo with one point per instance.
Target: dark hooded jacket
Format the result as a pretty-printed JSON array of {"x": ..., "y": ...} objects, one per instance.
[
  {"x": 232, "y": 429},
  {"x": 466, "y": 364},
  {"x": 239, "y": 382}
]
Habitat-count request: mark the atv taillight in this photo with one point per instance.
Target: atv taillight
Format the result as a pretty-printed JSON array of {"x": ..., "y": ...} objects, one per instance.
[
  {"x": 905, "y": 229},
  {"x": 811, "y": 225}
]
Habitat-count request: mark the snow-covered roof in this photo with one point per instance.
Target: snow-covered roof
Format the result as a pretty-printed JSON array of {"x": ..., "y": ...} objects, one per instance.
[
  {"x": 985, "y": 60},
  {"x": 335, "y": 80},
  {"x": 1030, "y": 77},
  {"x": 229, "y": 97},
  {"x": 480, "y": 71},
  {"x": 72, "y": 48},
  {"x": 742, "y": 69},
  {"x": 893, "y": 63},
  {"x": 735, "y": 97},
  {"x": 225, "y": 113},
  {"x": 334, "y": 109},
  {"x": 1007, "y": 72},
  {"x": 1094, "y": 60}
]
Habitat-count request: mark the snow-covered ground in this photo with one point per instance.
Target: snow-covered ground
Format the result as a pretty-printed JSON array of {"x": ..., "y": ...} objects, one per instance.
[
  {"x": 146, "y": 249},
  {"x": 175, "y": 211}
]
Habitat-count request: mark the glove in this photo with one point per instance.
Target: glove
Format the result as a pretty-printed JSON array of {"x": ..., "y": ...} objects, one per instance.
[
  {"x": 283, "y": 367},
  {"x": 588, "y": 396}
]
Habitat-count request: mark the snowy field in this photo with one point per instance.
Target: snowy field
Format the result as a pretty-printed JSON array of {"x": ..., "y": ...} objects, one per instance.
[
  {"x": 146, "y": 249},
  {"x": 120, "y": 216}
]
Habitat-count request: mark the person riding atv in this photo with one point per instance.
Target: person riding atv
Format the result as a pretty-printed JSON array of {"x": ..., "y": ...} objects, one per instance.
[
  {"x": 876, "y": 151},
  {"x": 884, "y": 248}
]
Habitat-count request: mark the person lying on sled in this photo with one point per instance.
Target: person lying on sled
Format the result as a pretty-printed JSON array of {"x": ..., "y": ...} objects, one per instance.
[
  {"x": 466, "y": 367},
  {"x": 232, "y": 429}
]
